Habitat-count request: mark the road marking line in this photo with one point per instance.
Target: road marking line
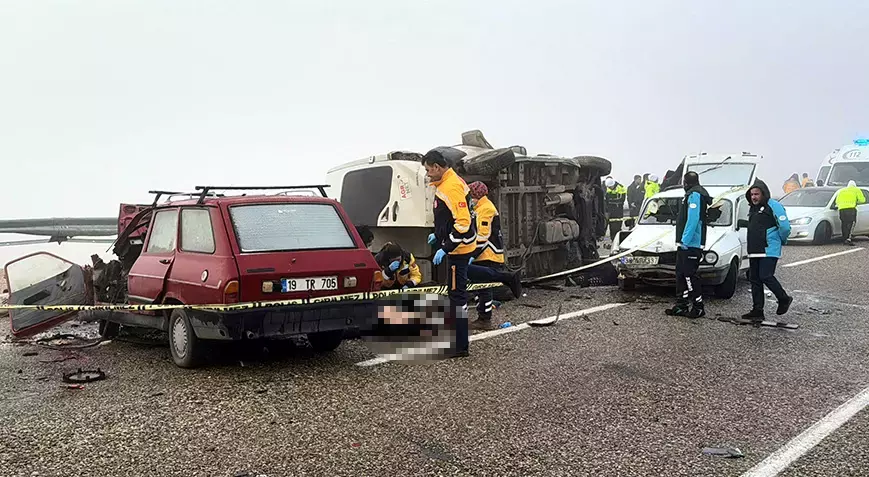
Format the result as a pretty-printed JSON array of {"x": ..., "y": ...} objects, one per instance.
[
  {"x": 822, "y": 257},
  {"x": 798, "y": 446},
  {"x": 502, "y": 331}
]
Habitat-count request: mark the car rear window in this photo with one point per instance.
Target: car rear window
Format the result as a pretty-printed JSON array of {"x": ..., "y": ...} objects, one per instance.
[{"x": 285, "y": 227}]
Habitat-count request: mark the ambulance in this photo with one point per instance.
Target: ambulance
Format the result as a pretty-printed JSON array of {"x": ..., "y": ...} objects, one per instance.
[{"x": 849, "y": 162}]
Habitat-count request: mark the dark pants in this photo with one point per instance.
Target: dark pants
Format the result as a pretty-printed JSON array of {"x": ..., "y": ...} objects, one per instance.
[
  {"x": 458, "y": 293},
  {"x": 485, "y": 271},
  {"x": 615, "y": 226},
  {"x": 635, "y": 212},
  {"x": 761, "y": 271},
  {"x": 687, "y": 280},
  {"x": 848, "y": 218}
]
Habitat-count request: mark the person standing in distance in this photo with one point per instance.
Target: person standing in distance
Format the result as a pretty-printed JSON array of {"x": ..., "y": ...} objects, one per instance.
[
  {"x": 455, "y": 237},
  {"x": 768, "y": 228},
  {"x": 691, "y": 237},
  {"x": 615, "y": 205},
  {"x": 636, "y": 194}
]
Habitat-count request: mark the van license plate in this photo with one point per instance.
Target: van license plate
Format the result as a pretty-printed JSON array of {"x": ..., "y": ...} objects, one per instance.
[
  {"x": 639, "y": 260},
  {"x": 289, "y": 285}
]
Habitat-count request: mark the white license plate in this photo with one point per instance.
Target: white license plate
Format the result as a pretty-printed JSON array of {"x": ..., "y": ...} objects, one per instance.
[
  {"x": 289, "y": 285},
  {"x": 639, "y": 260}
]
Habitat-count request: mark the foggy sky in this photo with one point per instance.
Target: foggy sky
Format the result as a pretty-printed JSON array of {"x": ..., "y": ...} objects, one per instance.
[{"x": 101, "y": 101}]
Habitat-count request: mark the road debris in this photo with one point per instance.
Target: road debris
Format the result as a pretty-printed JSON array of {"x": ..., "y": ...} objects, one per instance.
[
  {"x": 81, "y": 376},
  {"x": 726, "y": 452},
  {"x": 30, "y": 353}
]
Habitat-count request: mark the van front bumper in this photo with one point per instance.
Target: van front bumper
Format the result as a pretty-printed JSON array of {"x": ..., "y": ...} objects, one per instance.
[{"x": 280, "y": 322}]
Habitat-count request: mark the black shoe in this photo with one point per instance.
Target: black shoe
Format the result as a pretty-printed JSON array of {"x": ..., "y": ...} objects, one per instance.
[
  {"x": 697, "y": 311},
  {"x": 753, "y": 315},
  {"x": 677, "y": 310},
  {"x": 484, "y": 324},
  {"x": 516, "y": 285},
  {"x": 458, "y": 354},
  {"x": 783, "y": 306},
  {"x": 849, "y": 243}
]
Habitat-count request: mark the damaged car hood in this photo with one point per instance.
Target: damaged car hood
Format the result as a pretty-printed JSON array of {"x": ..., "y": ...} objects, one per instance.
[{"x": 643, "y": 234}]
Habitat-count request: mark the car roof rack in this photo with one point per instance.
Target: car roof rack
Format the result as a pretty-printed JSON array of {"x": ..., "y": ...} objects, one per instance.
[
  {"x": 204, "y": 190},
  {"x": 171, "y": 194}
]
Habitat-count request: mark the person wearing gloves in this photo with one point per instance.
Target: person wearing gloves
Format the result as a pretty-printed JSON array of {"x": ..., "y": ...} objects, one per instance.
[
  {"x": 652, "y": 186},
  {"x": 487, "y": 262},
  {"x": 846, "y": 202},
  {"x": 615, "y": 205},
  {"x": 455, "y": 238},
  {"x": 768, "y": 229},
  {"x": 399, "y": 267},
  {"x": 691, "y": 237}
]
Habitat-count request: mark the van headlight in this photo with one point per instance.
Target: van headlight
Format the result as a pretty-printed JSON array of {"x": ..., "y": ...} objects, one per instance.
[
  {"x": 710, "y": 258},
  {"x": 802, "y": 221}
]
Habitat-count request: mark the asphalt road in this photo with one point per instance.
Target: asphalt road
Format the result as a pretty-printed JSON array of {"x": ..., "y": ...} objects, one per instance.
[{"x": 626, "y": 391}]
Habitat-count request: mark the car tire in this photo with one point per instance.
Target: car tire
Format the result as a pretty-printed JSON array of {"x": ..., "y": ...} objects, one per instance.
[
  {"x": 602, "y": 165},
  {"x": 108, "y": 329},
  {"x": 325, "y": 341},
  {"x": 187, "y": 350},
  {"x": 823, "y": 234},
  {"x": 489, "y": 163},
  {"x": 728, "y": 288},
  {"x": 627, "y": 284}
]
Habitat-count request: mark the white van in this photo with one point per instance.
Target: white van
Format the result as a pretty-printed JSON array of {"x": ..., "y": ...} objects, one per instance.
[
  {"x": 726, "y": 178},
  {"x": 849, "y": 162}
]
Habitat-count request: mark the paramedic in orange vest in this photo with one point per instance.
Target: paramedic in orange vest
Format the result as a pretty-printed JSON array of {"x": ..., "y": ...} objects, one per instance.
[
  {"x": 487, "y": 265},
  {"x": 455, "y": 237},
  {"x": 399, "y": 267}
]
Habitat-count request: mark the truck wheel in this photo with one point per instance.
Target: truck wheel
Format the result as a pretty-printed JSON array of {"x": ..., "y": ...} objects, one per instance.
[
  {"x": 627, "y": 284},
  {"x": 728, "y": 288},
  {"x": 325, "y": 341},
  {"x": 603, "y": 166},
  {"x": 823, "y": 234},
  {"x": 108, "y": 329},
  {"x": 187, "y": 350},
  {"x": 489, "y": 163}
]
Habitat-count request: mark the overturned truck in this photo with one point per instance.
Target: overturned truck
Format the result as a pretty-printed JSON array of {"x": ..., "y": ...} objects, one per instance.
[{"x": 552, "y": 208}]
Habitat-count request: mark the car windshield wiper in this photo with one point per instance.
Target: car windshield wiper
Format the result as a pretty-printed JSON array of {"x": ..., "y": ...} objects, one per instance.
[{"x": 717, "y": 166}]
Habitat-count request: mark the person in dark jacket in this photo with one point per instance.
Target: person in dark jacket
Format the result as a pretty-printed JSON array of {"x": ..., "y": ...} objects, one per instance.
[
  {"x": 615, "y": 205},
  {"x": 691, "y": 237},
  {"x": 636, "y": 194},
  {"x": 768, "y": 229}
]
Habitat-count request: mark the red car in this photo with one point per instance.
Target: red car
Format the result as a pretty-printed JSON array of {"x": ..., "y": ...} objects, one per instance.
[{"x": 214, "y": 249}]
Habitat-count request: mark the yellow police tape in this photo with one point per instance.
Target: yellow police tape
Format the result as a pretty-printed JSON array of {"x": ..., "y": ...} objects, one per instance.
[{"x": 364, "y": 296}]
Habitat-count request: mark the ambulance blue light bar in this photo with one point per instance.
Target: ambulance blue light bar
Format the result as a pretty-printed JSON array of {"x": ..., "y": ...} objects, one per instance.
[{"x": 861, "y": 142}]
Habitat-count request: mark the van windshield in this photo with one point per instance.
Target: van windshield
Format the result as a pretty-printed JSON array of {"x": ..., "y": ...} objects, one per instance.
[
  {"x": 726, "y": 174},
  {"x": 849, "y": 171},
  {"x": 289, "y": 227},
  {"x": 665, "y": 210}
]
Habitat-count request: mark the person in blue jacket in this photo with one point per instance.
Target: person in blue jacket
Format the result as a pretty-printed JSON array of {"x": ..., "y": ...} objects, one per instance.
[
  {"x": 768, "y": 229},
  {"x": 690, "y": 239}
]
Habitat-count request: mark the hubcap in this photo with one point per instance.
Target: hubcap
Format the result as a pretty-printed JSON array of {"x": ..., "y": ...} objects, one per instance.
[{"x": 179, "y": 337}]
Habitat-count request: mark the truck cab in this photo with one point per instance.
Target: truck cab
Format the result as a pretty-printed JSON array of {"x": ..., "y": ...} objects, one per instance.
[{"x": 537, "y": 197}]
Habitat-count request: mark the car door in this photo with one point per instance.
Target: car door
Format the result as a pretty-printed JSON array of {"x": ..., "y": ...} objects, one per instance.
[
  {"x": 835, "y": 221},
  {"x": 44, "y": 279},
  {"x": 742, "y": 214},
  {"x": 862, "y": 225},
  {"x": 147, "y": 278}
]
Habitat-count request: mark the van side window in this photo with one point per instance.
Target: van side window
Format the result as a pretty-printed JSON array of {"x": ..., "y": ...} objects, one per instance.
[
  {"x": 742, "y": 210},
  {"x": 197, "y": 234},
  {"x": 163, "y": 232}
]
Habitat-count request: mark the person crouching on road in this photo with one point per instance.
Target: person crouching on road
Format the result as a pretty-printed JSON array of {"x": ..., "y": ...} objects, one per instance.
[
  {"x": 615, "y": 205},
  {"x": 487, "y": 264},
  {"x": 455, "y": 237},
  {"x": 691, "y": 237},
  {"x": 768, "y": 228},
  {"x": 846, "y": 202},
  {"x": 399, "y": 267}
]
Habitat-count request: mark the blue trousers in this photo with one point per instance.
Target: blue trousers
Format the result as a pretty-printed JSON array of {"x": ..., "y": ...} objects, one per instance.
[
  {"x": 485, "y": 271},
  {"x": 458, "y": 294}
]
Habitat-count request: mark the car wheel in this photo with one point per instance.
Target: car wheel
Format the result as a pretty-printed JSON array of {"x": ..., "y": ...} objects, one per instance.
[
  {"x": 823, "y": 234},
  {"x": 325, "y": 341},
  {"x": 489, "y": 163},
  {"x": 603, "y": 166},
  {"x": 627, "y": 284},
  {"x": 108, "y": 329},
  {"x": 187, "y": 350},
  {"x": 728, "y": 288}
]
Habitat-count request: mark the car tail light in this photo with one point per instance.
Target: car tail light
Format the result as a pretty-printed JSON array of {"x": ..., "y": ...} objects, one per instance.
[
  {"x": 230, "y": 292},
  {"x": 378, "y": 280},
  {"x": 350, "y": 282}
]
